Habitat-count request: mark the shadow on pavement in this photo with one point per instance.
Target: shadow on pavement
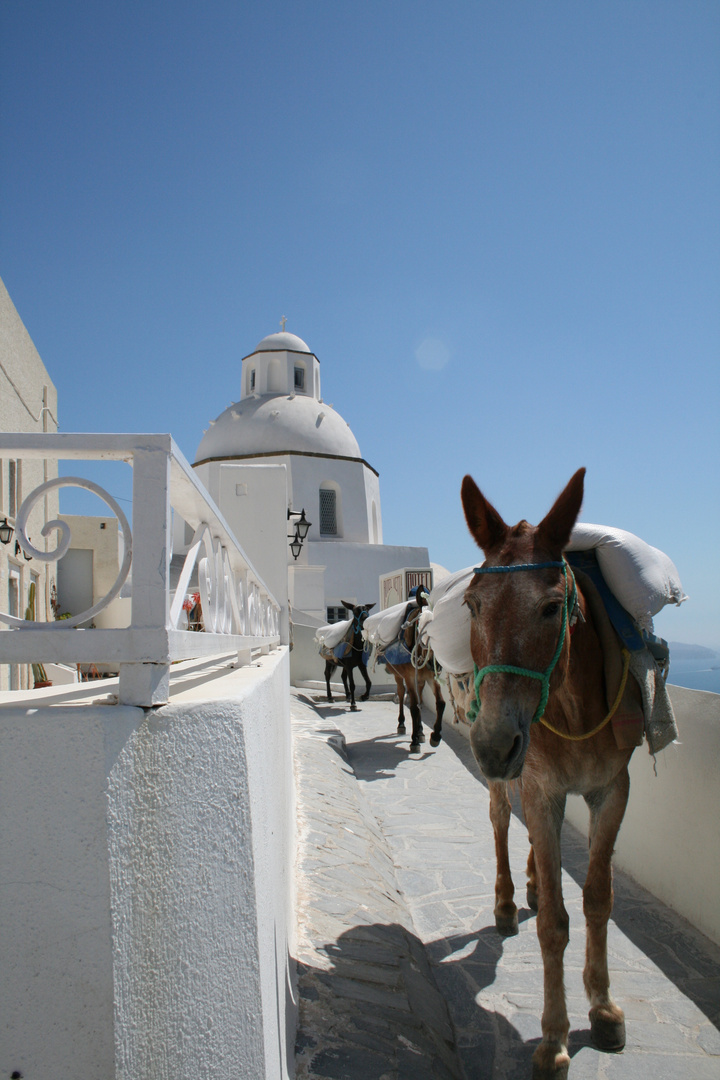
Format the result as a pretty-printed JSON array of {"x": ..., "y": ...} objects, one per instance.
[{"x": 379, "y": 1008}]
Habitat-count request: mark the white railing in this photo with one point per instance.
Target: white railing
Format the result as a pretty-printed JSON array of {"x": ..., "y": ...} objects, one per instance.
[{"x": 239, "y": 612}]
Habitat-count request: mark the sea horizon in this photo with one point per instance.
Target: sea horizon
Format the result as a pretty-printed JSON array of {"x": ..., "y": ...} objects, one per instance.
[{"x": 700, "y": 674}]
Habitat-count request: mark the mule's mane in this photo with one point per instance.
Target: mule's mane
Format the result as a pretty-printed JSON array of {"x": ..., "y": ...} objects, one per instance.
[
  {"x": 507, "y": 551},
  {"x": 521, "y": 529}
]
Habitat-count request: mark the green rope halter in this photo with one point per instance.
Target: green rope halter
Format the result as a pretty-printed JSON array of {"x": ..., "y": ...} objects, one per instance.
[{"x": 510, "y": 669}]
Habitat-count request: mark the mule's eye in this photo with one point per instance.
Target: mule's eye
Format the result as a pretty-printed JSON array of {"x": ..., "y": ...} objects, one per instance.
[
  {"x": 550, "y": 610},
  {"x": 474, "y": 606}
]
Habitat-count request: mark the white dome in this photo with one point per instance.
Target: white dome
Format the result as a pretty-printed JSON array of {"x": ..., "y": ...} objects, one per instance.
[
  {"x": 281, "y": 342},
  {"x": 254, "y": 427}
]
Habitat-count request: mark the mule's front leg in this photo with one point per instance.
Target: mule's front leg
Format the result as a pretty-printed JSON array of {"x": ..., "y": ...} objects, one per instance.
[
  {"x": 351, "y": 681},
  {"x": 544, "y": 817},
  {"x": 329, "y": 668},
  {"x": 506, "y": 915},
  {"x": 368, "y": 684},
  {"x": 417, "y": 736},
  {"x": 607, "y": 807},
  {"x": 436, "y": 735},
  {"x": 400, "y": 686}
]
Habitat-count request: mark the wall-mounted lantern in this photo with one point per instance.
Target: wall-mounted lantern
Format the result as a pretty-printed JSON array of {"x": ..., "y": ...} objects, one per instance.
[
  {"x": 301, "y": 530},
  {"x": 6, "y": 531}
]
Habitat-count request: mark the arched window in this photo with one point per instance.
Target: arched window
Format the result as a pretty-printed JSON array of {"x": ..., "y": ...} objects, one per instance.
[{"x": 330, "y": 509}]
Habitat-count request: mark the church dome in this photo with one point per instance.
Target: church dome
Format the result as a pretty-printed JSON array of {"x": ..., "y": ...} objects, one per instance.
[
  {"x": 281, "y": 342},
  {"x": 255, "y": 427},
  {"x": 280, "y": 410}
]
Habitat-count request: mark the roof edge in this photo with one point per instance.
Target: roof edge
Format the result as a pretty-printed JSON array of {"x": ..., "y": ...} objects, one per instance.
[
  {"x": 261, "y": 352},
  {"x": 286, "y": 453}
]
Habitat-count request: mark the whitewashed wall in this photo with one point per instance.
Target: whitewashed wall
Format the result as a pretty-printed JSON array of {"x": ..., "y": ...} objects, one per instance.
[
  {"x": 354, "y": 482},
  {"x": 28, "y": 402},
  {"x": 254, "y": 501},
  {"x": 146, "y": 901},
  {"x": 352, "y": 571}
]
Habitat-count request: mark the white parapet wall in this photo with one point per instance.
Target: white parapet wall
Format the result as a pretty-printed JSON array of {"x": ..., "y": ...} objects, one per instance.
[
  {"x": 146, "y": 873},
  {"x": 669, "y": 841}
]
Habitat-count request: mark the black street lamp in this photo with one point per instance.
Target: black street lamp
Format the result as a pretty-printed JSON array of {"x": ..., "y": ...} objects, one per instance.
[
  {"x": 303, "y": 525},
  {"x": 6, "y": 531},
  {"x": 301, "y": 530}
]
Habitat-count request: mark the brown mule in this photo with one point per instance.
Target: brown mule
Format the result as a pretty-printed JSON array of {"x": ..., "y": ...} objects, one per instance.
[
  {"x": 413, "y": 677},
  {"x": 532, "y": 635}
]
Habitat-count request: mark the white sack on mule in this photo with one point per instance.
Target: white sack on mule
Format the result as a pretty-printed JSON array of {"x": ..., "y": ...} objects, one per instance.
[
  {"x": 333, "y": 633},
  {"x": 448, "y": 631},
  {"x": 641, "y": 577},
  {"x": 383, "y": 627}
]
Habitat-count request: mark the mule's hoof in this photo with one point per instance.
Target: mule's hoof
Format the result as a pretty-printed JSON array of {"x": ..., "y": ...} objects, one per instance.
[
  {"x": 354, "y": 708},
  {"x": 329, "y": 697},
  {"x": 421, "y": 737},
  {"x": 365, "y": 696},
  {"x": 435, "y": 740},
  {"x": 401, "y": 729},
  {"x": 607, "y": 1032},
  {"x": 506, "y": 922},
  {"x": 550, "y": 1062},
  {"x": 414, "y": 748},
  {"x": 532, "y": 898}
]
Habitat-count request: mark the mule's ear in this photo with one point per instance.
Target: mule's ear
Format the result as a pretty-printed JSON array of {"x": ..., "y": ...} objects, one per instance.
[
  {"x": 347, "y": 605},
  {"x": 368, "y": 607},
  {"x": 483, "y": 520},
  {"x": 556, "y": 526}
]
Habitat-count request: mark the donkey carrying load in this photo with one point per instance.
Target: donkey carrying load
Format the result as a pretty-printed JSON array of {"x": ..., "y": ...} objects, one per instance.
[
  {"x": 342, "y": 645},
  {"x": 544, "y": 712},
  {"x": 410, "y": 661}
]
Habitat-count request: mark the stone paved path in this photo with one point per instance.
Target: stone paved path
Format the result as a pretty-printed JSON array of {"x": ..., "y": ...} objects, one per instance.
[{"x": 402, "y": 974}]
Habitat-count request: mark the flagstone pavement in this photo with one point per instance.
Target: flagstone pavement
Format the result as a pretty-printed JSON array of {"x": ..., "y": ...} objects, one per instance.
[{"x": 402, "y": 975}]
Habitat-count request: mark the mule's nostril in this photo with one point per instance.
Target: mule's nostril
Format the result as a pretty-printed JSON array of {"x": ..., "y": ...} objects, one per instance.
[{"x": 516, "y": 748}]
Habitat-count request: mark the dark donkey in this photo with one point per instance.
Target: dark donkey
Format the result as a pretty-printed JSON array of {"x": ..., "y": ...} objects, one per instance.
[
  {"x": 538, "y": 657},
  {"x": 413, "y": 667},
  {"x": 351, "y": 656}
]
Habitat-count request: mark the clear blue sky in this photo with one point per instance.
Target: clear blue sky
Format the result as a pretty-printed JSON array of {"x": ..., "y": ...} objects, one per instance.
[{"x": 495, "y": 223}]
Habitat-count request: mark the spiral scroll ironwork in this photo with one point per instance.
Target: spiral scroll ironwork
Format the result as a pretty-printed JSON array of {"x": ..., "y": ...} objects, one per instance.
[{"x": 65, "y": 537}]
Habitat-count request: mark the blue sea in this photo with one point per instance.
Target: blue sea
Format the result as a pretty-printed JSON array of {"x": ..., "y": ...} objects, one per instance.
[{"x": 695, "y": 674}]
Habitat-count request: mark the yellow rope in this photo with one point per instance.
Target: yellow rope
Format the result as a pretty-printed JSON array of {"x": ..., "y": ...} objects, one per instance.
[{"x": 608, "y": 718}]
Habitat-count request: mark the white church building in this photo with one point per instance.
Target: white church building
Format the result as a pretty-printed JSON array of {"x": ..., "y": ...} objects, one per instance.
[{"x": 282, "y": 448}]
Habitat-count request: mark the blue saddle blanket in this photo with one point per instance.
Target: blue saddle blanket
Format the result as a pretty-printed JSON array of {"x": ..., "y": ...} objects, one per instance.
[
  {"x": 625, "y": 626},
  {"x": 342, "y": 652},
  {"x": 396, "y": 653}
]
